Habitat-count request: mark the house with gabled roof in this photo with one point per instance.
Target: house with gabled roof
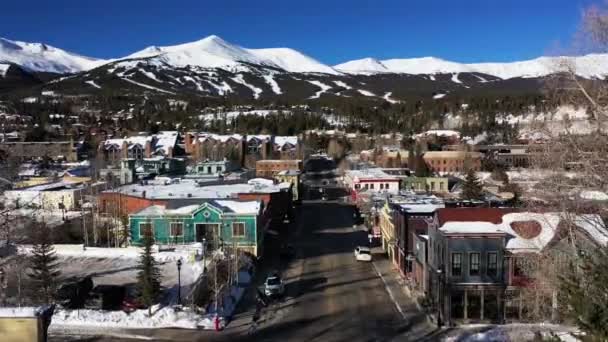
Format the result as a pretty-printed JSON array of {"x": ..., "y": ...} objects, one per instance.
[
  {"x": 218, "y": 223},
  {"x": 475, "y": 257}
]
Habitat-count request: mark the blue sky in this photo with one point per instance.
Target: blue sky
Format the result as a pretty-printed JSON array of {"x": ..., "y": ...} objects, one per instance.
[{"x": 330, "y": 31}]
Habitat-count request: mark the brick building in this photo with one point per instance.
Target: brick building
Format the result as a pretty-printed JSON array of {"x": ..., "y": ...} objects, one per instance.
[
  {"x": 164, "y": 144},
  {"x": 452, "y": 161},
  {"x": 270, "y": 168},
  {"x": 32, "y": 150}
]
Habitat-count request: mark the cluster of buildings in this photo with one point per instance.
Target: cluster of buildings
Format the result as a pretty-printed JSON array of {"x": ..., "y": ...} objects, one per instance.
[
  {"x": 187, "y": 187},
  {"x": 467, "y": 264}
]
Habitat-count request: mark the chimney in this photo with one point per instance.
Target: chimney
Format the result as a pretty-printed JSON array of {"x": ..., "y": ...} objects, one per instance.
[
  {"x": 143, "y": 194},
  {"x": 170, "y": 152},
  {"x": 197, "y": 149},
  {"x": 188, "y": 142},
  {"x": 148, "y": 151},
  {"x": 124, "y": 150}
]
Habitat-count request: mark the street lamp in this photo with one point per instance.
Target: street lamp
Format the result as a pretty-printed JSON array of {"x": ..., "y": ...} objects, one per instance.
[
  {"x": 179, "y": 282},
  {"x": 440, "y": 299}
]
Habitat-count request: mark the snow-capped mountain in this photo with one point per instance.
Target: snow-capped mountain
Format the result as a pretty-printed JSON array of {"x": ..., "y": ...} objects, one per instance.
[
  {"x": 44, "y": 58},
  {"x": 363, "y": 66},
  {"x": 214, "y": 67},
  {"x": 214, "y": 52},
  {"x": 589, "y": 66}
]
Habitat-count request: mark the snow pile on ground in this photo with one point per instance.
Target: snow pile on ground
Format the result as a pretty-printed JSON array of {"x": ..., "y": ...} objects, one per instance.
[
  {"x": 594, "y": 195},
  {"x": 165, "y": 317},
  {"x": 510, "y": 332},
  {"x": 229, "y": 302},
  {"x": 18, "y": 312}
]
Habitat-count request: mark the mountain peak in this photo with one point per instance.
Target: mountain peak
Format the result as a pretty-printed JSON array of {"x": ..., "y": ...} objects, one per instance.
[
  {"x": 43, "y": 57},
  {"x": 364, "y": 66}
]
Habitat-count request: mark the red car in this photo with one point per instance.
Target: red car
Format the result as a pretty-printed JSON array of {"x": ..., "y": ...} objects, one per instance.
[{"x": 131, "y": 304}]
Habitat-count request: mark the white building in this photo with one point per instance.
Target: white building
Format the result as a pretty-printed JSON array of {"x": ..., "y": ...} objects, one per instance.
[
  {"x": 373, "y": 179},
  {"x": 58, "y": 195}
]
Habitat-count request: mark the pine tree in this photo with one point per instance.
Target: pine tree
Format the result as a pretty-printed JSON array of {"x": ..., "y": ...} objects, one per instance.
[
  {"x": 148, "y": 278},
  {"x": 584, "y": 289},
  {"x": 471, "y": 189},
  {"x": 43, "y": 265}
]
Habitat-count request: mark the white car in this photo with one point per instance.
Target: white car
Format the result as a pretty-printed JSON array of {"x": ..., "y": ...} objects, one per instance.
[
  {"x": 363, "y": 254},
  {"x": 273, "y": 286}
]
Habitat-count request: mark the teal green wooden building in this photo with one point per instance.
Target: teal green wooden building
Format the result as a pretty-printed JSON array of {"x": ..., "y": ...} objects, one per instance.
[{"x": 218, "y": 222}]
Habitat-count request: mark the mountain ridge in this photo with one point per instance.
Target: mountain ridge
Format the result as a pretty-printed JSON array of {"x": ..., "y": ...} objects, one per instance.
[{"x": 214, "y": 52}]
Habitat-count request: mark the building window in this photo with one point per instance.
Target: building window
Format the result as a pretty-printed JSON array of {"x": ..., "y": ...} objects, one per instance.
[
  {"x": 381, "y": 186},
  {"x": 492, "y": 264},
  {"x": 177, "y": 229},
  {"x": 357, "y": 186},
  {"x": 440, "y": 186},
  {"x": 386, "y": 186},
  {"x": 253, "y": 146},
  {"x": 145, "y": 227},
  {"x": 474, "y": 264},
  {"x": 456, "y": 264},
  {"x": 238, "y": 229},
  {"x": 366, "y": 186},
  {"x": 432, "y": 186},
  {"x": 371, "y": 186}
]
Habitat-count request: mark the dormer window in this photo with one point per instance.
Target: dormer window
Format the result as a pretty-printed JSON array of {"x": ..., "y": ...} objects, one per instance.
[{"x": 253, "y": 146}]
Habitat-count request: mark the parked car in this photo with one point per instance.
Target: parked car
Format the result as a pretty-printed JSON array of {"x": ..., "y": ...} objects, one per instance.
[
  {"x": 131, "y": 304},
  {"x": 363, "y": 253},
  {"x": 273, "y": 286}
]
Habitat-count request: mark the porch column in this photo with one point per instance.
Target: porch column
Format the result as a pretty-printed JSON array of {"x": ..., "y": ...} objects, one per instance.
[
  {"x": 501, "y": 309},
  {"x": 521, "y": 303},
  {"x": 466, "y": 304},
  {"x": 482, "y": 300}
]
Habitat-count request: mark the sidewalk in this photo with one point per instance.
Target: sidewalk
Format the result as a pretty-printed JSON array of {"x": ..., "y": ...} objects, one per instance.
[{"x": 417, "y": 321}]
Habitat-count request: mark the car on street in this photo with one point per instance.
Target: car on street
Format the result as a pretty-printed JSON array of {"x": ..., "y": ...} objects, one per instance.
[
  {"x": 273, "y": 286},
  {"x": 363, "y": 253}
]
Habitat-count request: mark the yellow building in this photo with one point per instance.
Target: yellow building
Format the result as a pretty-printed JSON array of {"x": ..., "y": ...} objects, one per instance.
[
  {"x": 22, "y": 324},
  {"x": 33, "y": 181},
  {"x": 290, "y": 176},
  {"x": 430, "y": 184},
  {"x": 387, "y": 227}
]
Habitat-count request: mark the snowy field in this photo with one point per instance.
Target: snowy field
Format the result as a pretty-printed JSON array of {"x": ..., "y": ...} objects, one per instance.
[
  {"x": 118, "y": 266},
  {"x": 510, "y": 333}
]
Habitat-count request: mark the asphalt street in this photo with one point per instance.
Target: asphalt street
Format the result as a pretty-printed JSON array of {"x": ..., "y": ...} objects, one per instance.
[{"x": 329, "y": 295}]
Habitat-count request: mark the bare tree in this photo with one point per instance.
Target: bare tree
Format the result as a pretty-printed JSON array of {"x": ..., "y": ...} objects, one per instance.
[{"x": 575, "y": 172}]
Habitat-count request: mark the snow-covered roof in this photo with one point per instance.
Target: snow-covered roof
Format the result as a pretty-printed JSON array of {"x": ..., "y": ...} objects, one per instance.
[
  {"x": 548, "y": 228},
  {"x": 229, "y": 206},
  {"x": 248, "y": 207},
  {"x": 260, "y": 137},
  {"x": 164, "y": 141},
  {"x": 280, "y": 141},
  {"x": 218, "y": 137},
  {"x": 475, "y": 227},
  {"x": 369, "y": 174},
  {"x": 594, "y": 226},
  {"x": 439, "y": 132},
  {"x": 188, "y": 188},
  {"x": 536, "y": 230},
  {"x": 153, "y": 210},
  {"x": 131, "y": 141},
  {"x": 160, "y": 142}
]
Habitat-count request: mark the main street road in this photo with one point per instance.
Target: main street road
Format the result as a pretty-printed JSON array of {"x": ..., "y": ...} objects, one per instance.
[
  {"x": 335, "y": 297},
  {"x": 329, "y": 295}
]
